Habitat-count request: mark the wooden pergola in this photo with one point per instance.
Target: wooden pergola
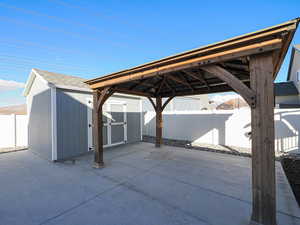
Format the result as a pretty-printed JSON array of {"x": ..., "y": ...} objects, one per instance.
[{"x": 246, "y": 64}]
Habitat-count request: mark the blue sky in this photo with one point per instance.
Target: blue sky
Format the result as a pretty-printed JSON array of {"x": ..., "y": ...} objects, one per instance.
[{"x": 92, "y": 38}]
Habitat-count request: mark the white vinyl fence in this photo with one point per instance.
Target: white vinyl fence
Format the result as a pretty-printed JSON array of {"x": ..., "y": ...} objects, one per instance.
[
  {"x": 225, "y": 127},
  {"x": 13, "y": 131}
]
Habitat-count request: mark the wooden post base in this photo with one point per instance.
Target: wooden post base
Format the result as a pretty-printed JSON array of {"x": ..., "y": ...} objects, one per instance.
[
  {"x": 256, "y": 223},
  {"x": 98, "y": 165}
]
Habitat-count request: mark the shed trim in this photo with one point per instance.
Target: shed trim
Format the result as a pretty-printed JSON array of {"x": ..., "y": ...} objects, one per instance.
[{"x": 53, "y": 123}]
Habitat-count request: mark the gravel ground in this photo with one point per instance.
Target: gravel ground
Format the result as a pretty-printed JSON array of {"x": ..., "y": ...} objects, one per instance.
[
  {"x": 233, "y": 150},
  {"x": 291, "y": 166},
  {"x": 12, "y": 149}
]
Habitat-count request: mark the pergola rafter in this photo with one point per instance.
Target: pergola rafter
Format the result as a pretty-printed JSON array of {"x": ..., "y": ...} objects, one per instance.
[{"x": 246, "y": 64}]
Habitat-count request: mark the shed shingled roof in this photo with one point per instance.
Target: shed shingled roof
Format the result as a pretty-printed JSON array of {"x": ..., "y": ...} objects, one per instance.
[{"x": 59, "y": 79}]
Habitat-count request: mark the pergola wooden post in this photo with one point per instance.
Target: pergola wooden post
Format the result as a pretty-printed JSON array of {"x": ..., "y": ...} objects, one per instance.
[
  {"x": 99, "y": 98},
  {"x": 97, "y": 131},
  {"x": 159, "y": 122},
  {"x": 159, "y": 108},
  {"x": 263, "y": 155},
  {"x": 246, "y": 64}
]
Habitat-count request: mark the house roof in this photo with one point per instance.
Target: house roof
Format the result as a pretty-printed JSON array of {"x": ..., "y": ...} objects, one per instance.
[
  {"x": 188, "y": 73},
  {"x": 296, "y": 48},
  {"x": 285, "y": 88}
]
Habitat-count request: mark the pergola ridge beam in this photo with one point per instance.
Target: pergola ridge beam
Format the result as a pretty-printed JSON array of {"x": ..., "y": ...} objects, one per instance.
[{"x": 232, "y": 81}]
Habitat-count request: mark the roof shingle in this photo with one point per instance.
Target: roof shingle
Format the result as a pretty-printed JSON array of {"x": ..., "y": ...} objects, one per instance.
[{"x": 62, "y": 79}]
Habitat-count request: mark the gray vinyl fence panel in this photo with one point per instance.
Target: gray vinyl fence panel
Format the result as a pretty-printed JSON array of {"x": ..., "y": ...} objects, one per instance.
[{"x": 39, "y": 119}]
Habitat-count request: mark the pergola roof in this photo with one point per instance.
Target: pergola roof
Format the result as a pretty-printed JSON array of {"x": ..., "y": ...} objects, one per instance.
[
  {"x": 246, "y": 64},
  {"x": 185, "y": 73}
]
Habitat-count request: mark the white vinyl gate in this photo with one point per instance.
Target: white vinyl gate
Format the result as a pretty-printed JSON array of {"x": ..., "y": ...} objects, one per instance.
[{"x": 114, "y": 123}]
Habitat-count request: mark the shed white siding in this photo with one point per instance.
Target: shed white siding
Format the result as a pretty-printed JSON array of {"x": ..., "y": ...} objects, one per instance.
[{"x": 39, "y": 118}]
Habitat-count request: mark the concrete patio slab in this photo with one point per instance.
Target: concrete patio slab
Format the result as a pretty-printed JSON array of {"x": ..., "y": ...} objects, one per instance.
[{"x": 139, "y": 185}]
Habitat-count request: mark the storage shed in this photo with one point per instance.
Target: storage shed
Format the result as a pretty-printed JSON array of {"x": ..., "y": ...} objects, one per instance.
[{"x": 60, "y": 116}]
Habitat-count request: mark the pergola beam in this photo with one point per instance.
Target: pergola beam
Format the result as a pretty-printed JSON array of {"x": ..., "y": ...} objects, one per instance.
[
  {"x": 214, "y": 88},
  {"x": 155, "y": 84},
  {"x": 161, "y": 85},
  {"x": 237, "y": 66},
  {"x": 132, "y": 92},
  {"x": 186, "y": 80},
  {"x": 166, "y": 102},
  {"x": 169, "y": 86},
  {"x": 141, "y": 83},
  {"x": 180, "y": 81},
  {"x": 250, "y": 49},
  {"x": 197, "y": 76},
  {"x": 152, "y": 103},
  {"x": 233, "y": 82},
  {"x": 101, "y": 97}
]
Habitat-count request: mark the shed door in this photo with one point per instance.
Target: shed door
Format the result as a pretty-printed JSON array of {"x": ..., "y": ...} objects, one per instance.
[{"x": 114, "y": 123}]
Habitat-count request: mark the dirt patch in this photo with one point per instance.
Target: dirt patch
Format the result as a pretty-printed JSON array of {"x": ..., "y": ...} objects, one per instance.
[{"x": 291, "y": 166}]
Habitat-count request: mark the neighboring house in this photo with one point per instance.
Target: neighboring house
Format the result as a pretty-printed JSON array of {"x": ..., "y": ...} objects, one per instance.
[
  {"x": 60, "y": 116},
  {"x": 13, "y": 109},
  {"x": 287, "y": 93},
  {"x": 235, "y": 103}
]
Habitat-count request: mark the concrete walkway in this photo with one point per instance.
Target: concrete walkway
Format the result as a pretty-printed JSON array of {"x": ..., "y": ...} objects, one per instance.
[{"x": 140, "y": 185}]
